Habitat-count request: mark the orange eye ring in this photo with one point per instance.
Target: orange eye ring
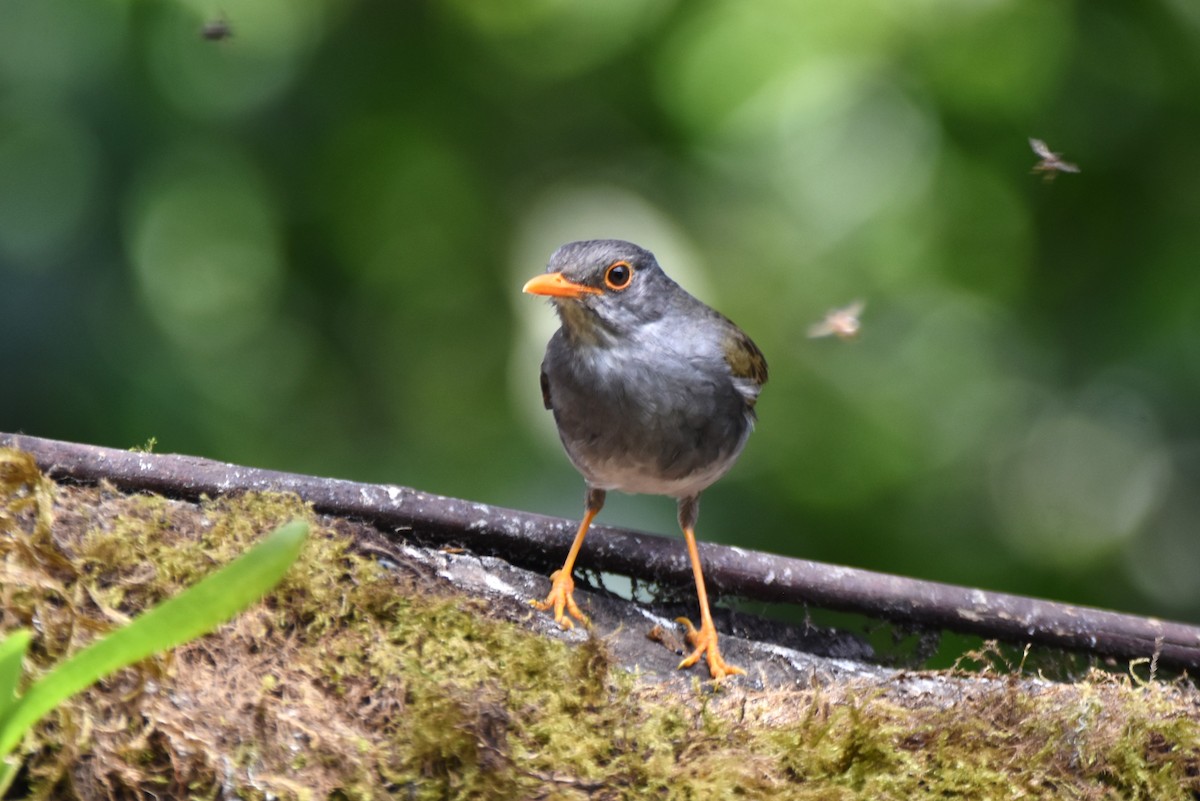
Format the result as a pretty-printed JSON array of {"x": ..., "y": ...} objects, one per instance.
[{"x": 618, "y": 275}]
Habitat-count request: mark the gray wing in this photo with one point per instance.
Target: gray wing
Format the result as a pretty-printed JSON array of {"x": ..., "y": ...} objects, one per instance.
[{"x": 545, "y": 388}]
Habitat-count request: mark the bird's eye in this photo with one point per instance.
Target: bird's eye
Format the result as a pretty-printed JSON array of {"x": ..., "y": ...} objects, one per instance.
[{"x": 618, "y": 275}]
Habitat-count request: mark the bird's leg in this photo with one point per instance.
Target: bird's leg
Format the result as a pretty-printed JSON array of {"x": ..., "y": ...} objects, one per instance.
[
  {"x": 562, "y": 586},
  {"x": 704, "y": 639}
]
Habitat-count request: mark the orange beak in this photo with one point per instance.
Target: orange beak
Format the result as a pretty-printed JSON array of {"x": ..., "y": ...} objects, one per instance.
[{"x": 554, "y": 285}]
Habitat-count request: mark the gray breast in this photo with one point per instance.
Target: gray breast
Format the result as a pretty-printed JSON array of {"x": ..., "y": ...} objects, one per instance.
[{"x": 647, "y": 421}]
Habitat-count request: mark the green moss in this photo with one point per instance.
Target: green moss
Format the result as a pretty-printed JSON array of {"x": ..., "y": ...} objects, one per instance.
[{"x": 351, "y": 681}]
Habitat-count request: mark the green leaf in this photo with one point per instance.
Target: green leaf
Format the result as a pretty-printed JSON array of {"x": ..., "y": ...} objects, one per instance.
[
  {"x": 12, "y": 654},
  {"x": 193, "y": 612},
  {"x": 8, "y": 772}
]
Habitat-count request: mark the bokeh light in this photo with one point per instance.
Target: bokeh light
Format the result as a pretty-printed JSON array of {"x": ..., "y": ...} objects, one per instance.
[
  {"x": 206, "y": 249},
  {"x": 50, "y": 168},
  {"x": 216, "y": 79},
  {"x": 1078, "y": 487},
  {"x": 547, "y": 40}
]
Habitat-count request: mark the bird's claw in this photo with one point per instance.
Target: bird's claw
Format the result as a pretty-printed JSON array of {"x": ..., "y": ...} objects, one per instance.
[
  {"x": 704, "y": 640},
  {"x": 561, "y": 599}
]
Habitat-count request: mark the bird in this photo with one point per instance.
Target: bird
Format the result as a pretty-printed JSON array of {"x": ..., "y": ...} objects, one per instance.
[{"x": 652, "y": 391}]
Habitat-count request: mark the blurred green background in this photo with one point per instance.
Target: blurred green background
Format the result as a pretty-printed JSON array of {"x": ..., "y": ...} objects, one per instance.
[{"x": 301, "y": 247}]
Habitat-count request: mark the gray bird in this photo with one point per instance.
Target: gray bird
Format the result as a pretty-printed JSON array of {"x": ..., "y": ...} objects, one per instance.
[{"x": 652, "y": 391}]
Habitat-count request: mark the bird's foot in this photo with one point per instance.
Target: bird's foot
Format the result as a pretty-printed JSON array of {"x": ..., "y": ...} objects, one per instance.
[
  {"x": 704, "y": 640},
  {"x": 561, "y": 600}
]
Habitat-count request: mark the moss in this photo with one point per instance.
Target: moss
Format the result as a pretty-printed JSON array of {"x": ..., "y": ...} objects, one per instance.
[{"x": 352, "y": 681}]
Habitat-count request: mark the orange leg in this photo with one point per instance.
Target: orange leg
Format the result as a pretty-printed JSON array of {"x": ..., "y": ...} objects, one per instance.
[
  {"x": 562, "y": 586},
  {"x": 704, "y": 639}
]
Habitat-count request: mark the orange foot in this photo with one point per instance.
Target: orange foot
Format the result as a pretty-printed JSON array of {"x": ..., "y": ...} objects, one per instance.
[
  {"x": 560, "y": 599},
  {"x": 704, "y": 641}
]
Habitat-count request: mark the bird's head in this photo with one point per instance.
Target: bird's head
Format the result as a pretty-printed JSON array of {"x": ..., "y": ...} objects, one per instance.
[{"x": 604, "y": 287}]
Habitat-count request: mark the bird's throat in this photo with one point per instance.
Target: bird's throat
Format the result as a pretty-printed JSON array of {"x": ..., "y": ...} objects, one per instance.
[{"x": 583, "y": 326}]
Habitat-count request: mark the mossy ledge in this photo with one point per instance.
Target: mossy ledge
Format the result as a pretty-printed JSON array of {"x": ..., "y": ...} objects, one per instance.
[{"x": 354, "y": 680}]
